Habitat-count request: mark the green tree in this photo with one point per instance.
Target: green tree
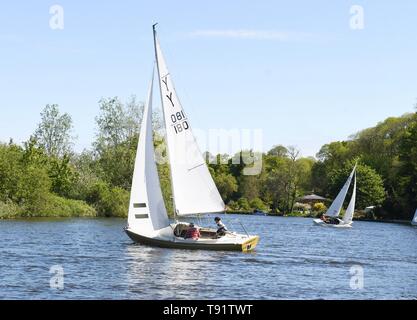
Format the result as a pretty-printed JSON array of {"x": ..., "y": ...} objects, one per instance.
[
  {"x": 63, "y": 176},
  {"x": 257, "y": 203},
  {"x": 226, "y": 184},
  {"x": 244, "y": 205},
  {"x": 370, "y": 186},
  {"x": 278, "y": 151},
  {"x": 117, "y": 122},
  {"x": 408, "y": 170},
  {"x": 117, "y": 139},
  {"x": 54, "y": 132},
  {"x": 109, "y": 201}
]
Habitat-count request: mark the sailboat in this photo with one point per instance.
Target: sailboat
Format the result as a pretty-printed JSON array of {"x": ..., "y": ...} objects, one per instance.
[
  {"x": 335, "y": 208},
  {"x": 414, "y": 221},
  {"x": 193, "y": 189}
]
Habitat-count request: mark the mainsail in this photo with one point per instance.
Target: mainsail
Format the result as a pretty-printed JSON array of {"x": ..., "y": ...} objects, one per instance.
[
  {"x": 414, "y": 221},
  {"x": 347, "y": 218},
  {"x": 193, "y": 188},
  {"x": 146, "y": 209},
  {"x": 337, "y": 204}
]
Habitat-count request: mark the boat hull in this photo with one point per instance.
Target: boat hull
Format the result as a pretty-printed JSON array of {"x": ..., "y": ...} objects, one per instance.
[
  {"x": 244, "y": 246},
  {"x": 319, "y": 222}
]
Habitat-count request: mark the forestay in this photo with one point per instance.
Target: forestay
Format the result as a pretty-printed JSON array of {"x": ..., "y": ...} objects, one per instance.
[{"x": 193, "y": 188}]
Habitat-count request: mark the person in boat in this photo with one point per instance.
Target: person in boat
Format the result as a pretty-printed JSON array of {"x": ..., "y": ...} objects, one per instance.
[
  {"x": 334, "y": 221},
  {"x": 221, "y": 228},
  {"x": 324, "y": 219},
  {"x": 192, "y": 232},
  {"x": 329, "y": 220}
]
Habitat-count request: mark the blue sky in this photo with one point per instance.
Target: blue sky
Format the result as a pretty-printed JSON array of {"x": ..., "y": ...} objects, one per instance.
[{"x": 295, "y": 69}]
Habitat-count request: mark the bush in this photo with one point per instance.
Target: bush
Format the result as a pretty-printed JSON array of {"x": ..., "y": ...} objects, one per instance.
[
  {"x": 55, "y": 206},
  {"x": 109, "y": 202},
  {"x": 319, "y": 207},
  {"x": 301, "y": 207},
  {"x": 258, "y": 204},
  {"x": 243, "y": 204},
  {"x": 9, "y": 210},
  {"x": 233, "y": 206}
]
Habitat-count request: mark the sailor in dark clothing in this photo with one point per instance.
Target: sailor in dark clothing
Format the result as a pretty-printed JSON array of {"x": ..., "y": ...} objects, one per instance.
[{"x": 221, "y": 228}]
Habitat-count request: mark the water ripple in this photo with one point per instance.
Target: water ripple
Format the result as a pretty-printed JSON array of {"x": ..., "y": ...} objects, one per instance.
[{"x": 294, "y": 260}]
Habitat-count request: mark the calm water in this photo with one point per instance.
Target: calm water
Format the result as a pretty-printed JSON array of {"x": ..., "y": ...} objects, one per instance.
[{"x": 294, "y": 260}]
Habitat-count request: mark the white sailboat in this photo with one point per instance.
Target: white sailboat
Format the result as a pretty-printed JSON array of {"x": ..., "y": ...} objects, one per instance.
[
  {"x": 333, "y": 212},
  {"x": 193, "y": 188},
  {"x": 414, "y": 221}
]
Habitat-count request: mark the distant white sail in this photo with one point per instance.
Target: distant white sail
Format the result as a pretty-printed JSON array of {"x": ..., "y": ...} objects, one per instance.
[
  {"x": 337, "y": 204},
  {"x": 147, "y": 212},
  {"x": 193, "y": 188},
  {"x": 414, "y": 221},
  {"x": 347, "y": 218}
]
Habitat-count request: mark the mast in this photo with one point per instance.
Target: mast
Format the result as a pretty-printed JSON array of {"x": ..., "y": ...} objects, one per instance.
[{"x": 163, "y": 114}]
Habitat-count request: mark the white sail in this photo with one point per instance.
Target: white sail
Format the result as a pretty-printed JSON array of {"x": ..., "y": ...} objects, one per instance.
[
  {"x": 347, "y": 218},
  {"x": 337, "y": 204},
  {"x": 193, "y": 188},
  {"x": 147, "y": 212},
  {"x": 414, "y": 221}
]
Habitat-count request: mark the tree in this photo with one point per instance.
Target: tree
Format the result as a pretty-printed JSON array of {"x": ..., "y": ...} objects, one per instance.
[
  {"x": 408, "y": 170},
  {"x": 54, "y": 132},
  {"x": 243, "y": 204},
  {"x": 278, "y": 151},
  {"x": 381, "y": 148},
  {"x": 370, "y": 186},
  {"x": 23, "y": 179},
  {"x": 117, "y": 139},
  {"x": 250, "y": 186},
  {"x": 226, "y": 184},
  {"x": 117, "y": 122},
  {"x": 62, "y": 174},
  {"x": 258, "y": 204}
]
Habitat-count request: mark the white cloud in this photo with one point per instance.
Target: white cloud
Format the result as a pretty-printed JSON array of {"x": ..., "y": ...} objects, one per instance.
[{"x": 252, "y": 34}]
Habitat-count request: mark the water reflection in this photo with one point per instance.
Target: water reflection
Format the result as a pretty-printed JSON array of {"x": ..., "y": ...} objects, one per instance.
[
  {"x": 294, "y": 260},
  {"x": 171, "y": 274}
]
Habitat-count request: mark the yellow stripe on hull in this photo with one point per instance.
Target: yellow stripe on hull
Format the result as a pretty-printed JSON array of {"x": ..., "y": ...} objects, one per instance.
[{"x": 250, "y": 244}]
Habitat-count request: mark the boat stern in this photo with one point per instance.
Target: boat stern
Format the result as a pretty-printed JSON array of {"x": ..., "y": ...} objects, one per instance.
[{"x": 250, "y": 244}]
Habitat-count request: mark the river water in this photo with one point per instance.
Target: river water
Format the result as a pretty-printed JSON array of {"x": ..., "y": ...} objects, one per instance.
[{"x": 294, "y": 260}]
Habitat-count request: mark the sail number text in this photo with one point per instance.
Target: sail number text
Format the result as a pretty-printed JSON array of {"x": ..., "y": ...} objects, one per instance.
[{"x": 179, "y": 122}]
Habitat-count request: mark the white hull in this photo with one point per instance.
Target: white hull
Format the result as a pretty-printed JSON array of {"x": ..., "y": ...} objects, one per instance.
[
  {"x": 414, "y": 223},
  {"x": 319, "y": 222}
]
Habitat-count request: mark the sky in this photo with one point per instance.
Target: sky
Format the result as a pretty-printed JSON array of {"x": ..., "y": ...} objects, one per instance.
[{"x": 305, "y": 73}]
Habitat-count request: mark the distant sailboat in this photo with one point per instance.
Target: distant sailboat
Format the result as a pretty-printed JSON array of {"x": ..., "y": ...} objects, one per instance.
[
  {"x": 336, "y": 207},
  {"x": 193, "y": 188},
  {"x": 414, "y": 221}
]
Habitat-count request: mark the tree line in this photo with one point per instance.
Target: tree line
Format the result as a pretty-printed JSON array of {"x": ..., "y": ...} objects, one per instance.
[{"x": 45, "y": 177}]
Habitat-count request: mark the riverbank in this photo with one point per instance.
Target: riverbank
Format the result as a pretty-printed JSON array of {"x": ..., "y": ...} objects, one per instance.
[
  {"x": 10, "y": 211},
  {"x": 359, "y": 216}
]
